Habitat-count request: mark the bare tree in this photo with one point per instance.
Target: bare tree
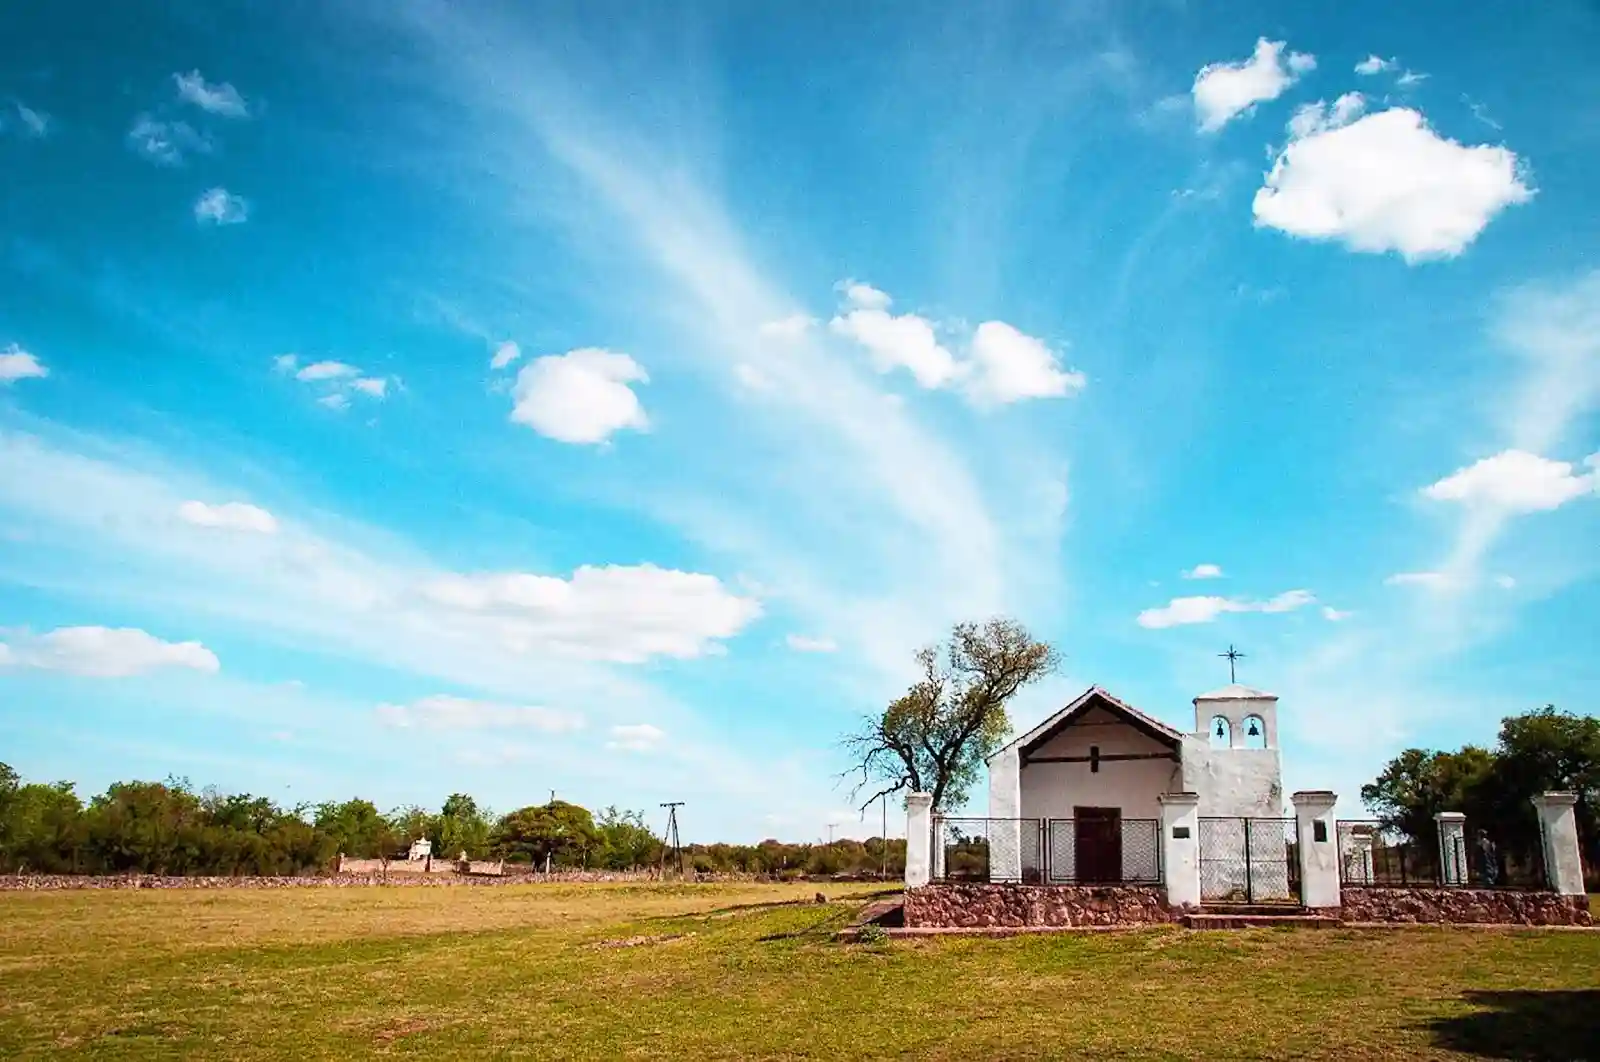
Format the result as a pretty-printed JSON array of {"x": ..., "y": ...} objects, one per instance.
[{"x": 935, "y": 737}]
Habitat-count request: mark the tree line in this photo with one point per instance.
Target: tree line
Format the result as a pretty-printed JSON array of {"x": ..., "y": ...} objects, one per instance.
[
  {"x": 171, "y": 828},
  {"x": 1536, "y": 752}
]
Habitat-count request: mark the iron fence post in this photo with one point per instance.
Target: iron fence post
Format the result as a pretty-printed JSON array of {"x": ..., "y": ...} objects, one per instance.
[{"x": 1249, "y": 877}]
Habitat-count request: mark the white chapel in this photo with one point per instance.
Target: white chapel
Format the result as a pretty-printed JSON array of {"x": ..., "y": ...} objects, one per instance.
[{"x": 1099, "y": 767}]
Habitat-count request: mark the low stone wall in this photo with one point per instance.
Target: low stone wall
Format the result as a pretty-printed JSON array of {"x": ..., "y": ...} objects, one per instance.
[
  {"x": 42, "y": 882},
  {"x": 961, "y": 906},
  {"x": 1493, "y": 906}
]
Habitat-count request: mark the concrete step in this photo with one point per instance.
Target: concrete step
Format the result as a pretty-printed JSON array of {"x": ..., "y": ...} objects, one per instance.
[
  {"x": 1258, "y": 921},
  {"x": 1252, "y": 908}
]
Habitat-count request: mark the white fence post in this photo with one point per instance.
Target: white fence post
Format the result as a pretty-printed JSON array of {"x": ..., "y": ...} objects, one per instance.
[
  {"x": 1452, "y": 827},
  {"x": 1318, "y": 843},
  {"x": 1558, "y": 828},
  {"x": 919, "y": 838},
  {"x": 1180, "y": 848}
]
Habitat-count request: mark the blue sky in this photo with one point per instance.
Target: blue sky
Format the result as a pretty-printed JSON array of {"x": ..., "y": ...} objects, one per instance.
[{"x": 413, "y": 397}]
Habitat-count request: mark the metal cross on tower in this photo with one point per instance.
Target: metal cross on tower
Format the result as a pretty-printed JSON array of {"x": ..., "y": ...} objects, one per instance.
[
  {"x": 1231, "y": 656},
  {"x": 673, "y": 844}
]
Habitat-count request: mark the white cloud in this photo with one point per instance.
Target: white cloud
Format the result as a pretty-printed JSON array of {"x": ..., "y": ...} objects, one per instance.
[
  {"x": 1181, "y": 611},
  {"x": 337, "y": 401},
  {"x": 1410, "y": 78},
  {"x": 1223, "y": 91},
  {"x": 1313, "y": 118},
  {"x": 635, "y": 737},
  {"x": 860, "y": 296},
  {"x": 620, "y": 613},
  {"x": 1333, "y": 615},
  {"x": 752, "y": 377},
  {"x": 166, "y": 142},
  {"x": 218, "y": 206},
  {"x": 1203, "y": 571},
  {"x": 325, "y": 370},
  {"x": 504, "y": 355},
  {"x": 446, "y": 712},
  {"x": 1505, "y": 582},
  {"x": 372, "y": 386},
  {"x": 37, "y": 122},
  {"x": 1009, "y": 366},
  {"x": 793, "y": 326},
  {"x": 1386, "y": 182},
  {"x": 582, "y": 396},
  {"x": 907, "y": 341},
  {"x": 1427, "y": 580},
  {"x": 17, "y": 364},
  {"x": 1517, "y": 482},
  {"x": 104, "y": 652},
  {"x": 800, "y": 643},
  {"x": 229, "y": 516},
  {"x": 285, "y": 362},
  {"x": 1373, "y": 64},
  {"x": 221, "y": 98}
]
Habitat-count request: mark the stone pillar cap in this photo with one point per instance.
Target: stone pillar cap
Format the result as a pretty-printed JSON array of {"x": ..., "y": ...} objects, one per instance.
[
  {"x": 919, "y": 799},
  {"x": 1450, "y": 816},
  {"x": 1179, "y": 798},
  {"x": 1555, "y": 799},
  {"x": 1315, "y": 797}
]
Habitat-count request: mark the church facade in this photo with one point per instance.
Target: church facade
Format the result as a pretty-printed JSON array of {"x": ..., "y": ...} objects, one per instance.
[{"x": 1093, "y": 775}]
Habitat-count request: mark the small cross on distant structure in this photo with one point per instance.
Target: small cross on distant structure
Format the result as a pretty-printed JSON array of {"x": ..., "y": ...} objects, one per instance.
[{"x": 1232, "y": 656}]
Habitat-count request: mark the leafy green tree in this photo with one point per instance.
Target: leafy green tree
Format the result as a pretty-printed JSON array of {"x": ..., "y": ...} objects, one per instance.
[
  {"x": 357, "y": 829},
  {"x": 934, "y": 738},
  {"x": 155, "y": 827},
  {"x": 1417, "y": 785},
  {"x": 626, "y": 842},
  {"x": 461, "y": 826},
  {"x": 557, "y": 834}
]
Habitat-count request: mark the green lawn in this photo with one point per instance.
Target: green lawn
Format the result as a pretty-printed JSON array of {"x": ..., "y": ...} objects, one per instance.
[{"x": 716, "y": 972}]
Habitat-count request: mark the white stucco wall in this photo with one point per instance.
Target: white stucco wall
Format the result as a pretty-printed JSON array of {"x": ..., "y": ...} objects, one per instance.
[
  {"x": 1052, "y": 790},
  {"x": 1233, "y": 782}
]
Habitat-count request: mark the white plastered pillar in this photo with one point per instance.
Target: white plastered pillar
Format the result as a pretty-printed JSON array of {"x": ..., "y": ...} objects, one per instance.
[
  {"x": 1452, "y": 829},
  {"x": 1180, "y": 848},
  {"x": 1317, "y": 839},
  {"x": 919, "y": 838},
  {"x": 1558, "y": 827},
  {"x": 1005, "y": 816}
]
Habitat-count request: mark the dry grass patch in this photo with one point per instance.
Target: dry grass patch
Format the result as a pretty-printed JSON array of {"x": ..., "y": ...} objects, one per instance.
[{"x": 742, "y": 972}]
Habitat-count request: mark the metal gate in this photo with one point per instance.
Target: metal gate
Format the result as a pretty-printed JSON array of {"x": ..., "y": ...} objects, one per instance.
[{"x": 1249, "y": 860}]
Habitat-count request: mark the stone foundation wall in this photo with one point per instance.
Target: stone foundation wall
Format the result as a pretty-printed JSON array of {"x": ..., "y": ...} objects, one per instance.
[
  {"x": 960, "y": 906},
  {"x": 1496, "y": 906}
]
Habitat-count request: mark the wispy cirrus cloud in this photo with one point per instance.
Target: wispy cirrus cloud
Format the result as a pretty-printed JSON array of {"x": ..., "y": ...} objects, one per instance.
[
  {"x": 220, "y": 98},
  {"x": 166, "y": 142},
  {"x": 1182, "y": 611},
  {"x": 446, "y": 712},
  {"x": 334, "y": 382},
  {"x": 218, "y": 206},
  {"x": 18, "y": 364}
]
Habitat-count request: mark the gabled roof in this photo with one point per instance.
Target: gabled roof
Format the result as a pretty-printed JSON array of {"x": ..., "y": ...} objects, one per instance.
[
  {"x": 1237, "y": 692},
  {"x": 1091, "y": 698}
]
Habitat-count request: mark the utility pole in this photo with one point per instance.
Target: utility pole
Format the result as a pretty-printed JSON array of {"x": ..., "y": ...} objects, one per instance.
[
  {"x": 672, "y": 840},
  {"x": 831, "y": 828}
]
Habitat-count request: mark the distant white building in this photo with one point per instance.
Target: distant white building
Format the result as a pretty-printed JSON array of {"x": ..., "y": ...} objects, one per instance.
[
  {"x": 1078, "y": 797},
  {"x": 420, "y": 850}
]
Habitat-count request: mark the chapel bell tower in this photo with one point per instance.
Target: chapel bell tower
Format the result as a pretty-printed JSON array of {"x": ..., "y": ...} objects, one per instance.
[{"x": 1237, "y": 717}]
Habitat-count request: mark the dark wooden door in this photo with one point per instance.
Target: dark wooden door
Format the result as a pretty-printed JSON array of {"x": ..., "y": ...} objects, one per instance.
[{"x": 1098, "y": 839}]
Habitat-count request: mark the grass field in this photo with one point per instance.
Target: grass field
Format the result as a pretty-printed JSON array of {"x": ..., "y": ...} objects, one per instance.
[{"x": 719, "y": 972}]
